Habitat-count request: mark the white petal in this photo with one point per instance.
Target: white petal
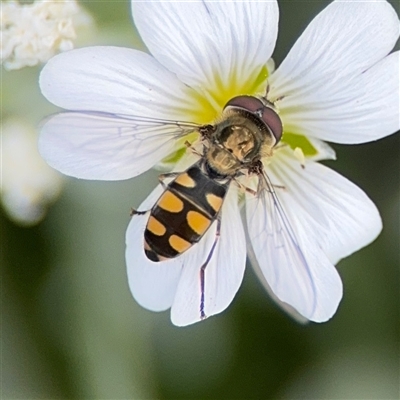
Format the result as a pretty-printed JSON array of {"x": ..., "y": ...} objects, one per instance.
[
  {"x": 337, "y": 214},
  {"x": 107, "y": 146},
  {"x": 204, "y": 41},
  {"x": 368, "y": 109},
  {"x": 324, "y": 151},
  {"x": 297, "y": 271},
  {"x": 286, "y": 307},
  {"x": 114, "y": 80},
  {"x": 223, "y": 274},
  {"x": 336, "y": 84},
  {"x": 152, "y": 284}
]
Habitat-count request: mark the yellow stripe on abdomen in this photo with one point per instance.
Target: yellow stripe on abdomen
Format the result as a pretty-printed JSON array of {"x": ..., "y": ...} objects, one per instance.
[
  {"x": 178, "y": 244},
  {"x": 185, "y": 180},
  {"x": 156, "y": 227},
  {"x": 198, "y": 222},
  {"x": 170, "y": 202},
  {"x": 214, "y": 201}
]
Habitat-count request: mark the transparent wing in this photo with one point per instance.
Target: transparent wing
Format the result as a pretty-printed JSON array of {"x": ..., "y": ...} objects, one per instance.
[
  {"x": 280, "y": 253},
  {"x": 94, "y": 145},
  {"x": 286, "y": 307},
  {"x": 223, "y": 274}
]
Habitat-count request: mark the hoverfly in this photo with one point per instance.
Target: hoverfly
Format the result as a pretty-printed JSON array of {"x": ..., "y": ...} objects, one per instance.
[{"x": 248, "y": 129}]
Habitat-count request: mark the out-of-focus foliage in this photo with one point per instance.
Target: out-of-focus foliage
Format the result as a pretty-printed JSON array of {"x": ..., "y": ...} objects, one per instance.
[
  {"x": 28, "y": 183},
  {"x": 70, "y": 328}
]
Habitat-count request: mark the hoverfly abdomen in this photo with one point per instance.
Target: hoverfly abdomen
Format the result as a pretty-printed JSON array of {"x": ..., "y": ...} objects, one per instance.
[
  {"x": 183, "y": 213},
  {"x": 200, "y": 188}
]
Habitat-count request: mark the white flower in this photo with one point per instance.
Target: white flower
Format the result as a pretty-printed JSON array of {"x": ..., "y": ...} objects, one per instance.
[
  {"x": 28, "y": 185},
  {"x": 33, "y": 33},
  {"x": 338, "y": 83}
]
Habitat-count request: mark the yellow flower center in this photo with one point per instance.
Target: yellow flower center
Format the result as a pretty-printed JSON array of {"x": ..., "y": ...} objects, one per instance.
[
  {"x": 210, "y": 103},
  {"x": 299, "y": 141}
]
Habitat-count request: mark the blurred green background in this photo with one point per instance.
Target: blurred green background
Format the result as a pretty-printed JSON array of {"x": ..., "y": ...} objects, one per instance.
[{"x": 71, "y": 329}]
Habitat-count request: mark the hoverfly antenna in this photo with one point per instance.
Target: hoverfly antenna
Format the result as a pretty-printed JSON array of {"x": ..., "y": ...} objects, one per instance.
[{"x": 268, "y": 115}]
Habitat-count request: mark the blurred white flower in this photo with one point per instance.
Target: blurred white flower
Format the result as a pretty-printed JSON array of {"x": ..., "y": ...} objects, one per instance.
[
  {"x": 33, "y": 33},
  {"x": 338, "y": 83},
  {"x": 28, "y": 184}
]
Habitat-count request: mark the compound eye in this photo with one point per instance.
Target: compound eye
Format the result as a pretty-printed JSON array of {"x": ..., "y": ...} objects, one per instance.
[
  {"x": 249, "y": 103},
  {"x": 272, "y": 120},
  {"x": 256, "y": 106}
]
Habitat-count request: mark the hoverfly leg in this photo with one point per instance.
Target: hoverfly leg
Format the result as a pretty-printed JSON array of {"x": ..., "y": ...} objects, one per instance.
[
  {"x": 245, "y": 188},
  {"x": 133, "y": 212},
  {"x": 207, "y": 131},
  {"x": 282, "y": 187},
  {"x": 203, "y": 268},
  {"x": 167, "y": 175},
  {"x": 189, "y": 146},
  {"x": 264, "y": 184},
  {"x": 202, "y": 276}
]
